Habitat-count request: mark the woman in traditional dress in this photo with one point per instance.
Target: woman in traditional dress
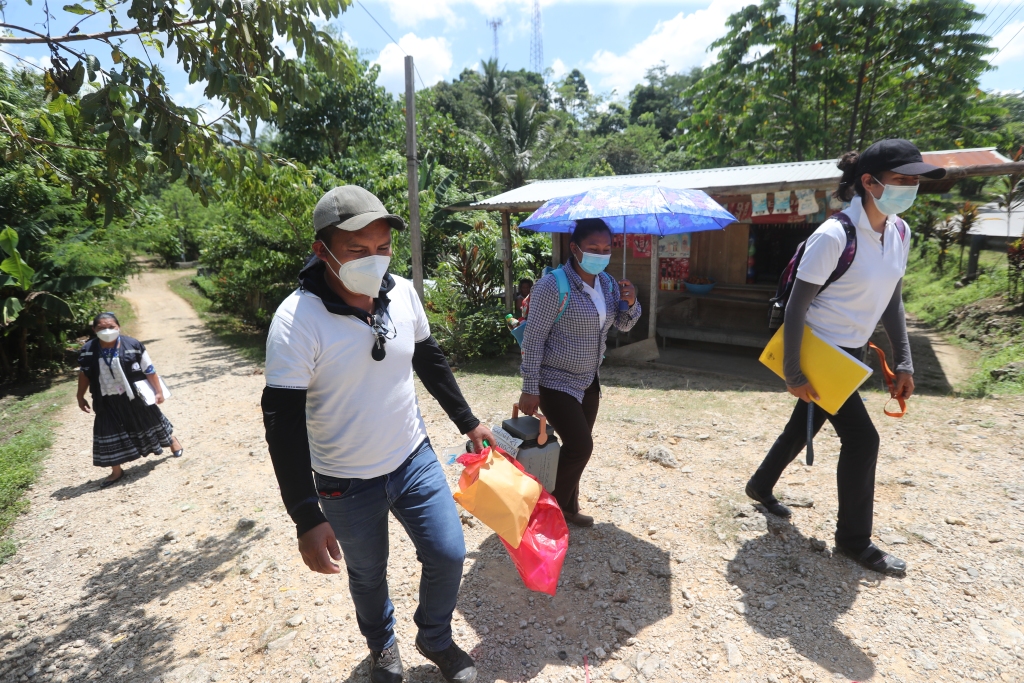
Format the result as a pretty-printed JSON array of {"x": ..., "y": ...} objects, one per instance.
[{"x": 116, "y": 369}]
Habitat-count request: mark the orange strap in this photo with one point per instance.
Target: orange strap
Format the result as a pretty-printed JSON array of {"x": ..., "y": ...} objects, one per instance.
[{"x": 890, "y": 381}]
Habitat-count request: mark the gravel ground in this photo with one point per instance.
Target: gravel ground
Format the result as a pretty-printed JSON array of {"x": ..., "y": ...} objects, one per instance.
[{"x": 187, "y": 571}]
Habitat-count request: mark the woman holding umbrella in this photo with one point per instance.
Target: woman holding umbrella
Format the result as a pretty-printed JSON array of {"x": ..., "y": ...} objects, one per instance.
[{"x": 563, "y": 348}]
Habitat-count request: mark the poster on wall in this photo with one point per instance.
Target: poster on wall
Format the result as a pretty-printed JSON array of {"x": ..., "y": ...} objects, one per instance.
[
  {"x": 781, "y": 203},
  {"x": 674, "y": 246},
  {"x": 672, "y": 272},
  {"x": 807, "y": 204},
  {"x": 642, "y": 245},
  {"x": 617, "y": 241},
  {"x": 759, "y": 204},
  {"x": 741, "y": 210}
]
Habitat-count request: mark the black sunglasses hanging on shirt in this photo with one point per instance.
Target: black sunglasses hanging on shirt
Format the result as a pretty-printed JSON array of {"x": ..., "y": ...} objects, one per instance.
[{"x": 381, "y": 334}]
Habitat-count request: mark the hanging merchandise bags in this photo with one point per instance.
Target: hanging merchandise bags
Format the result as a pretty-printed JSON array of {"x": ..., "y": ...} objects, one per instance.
[{"x": 497, "y": 493}]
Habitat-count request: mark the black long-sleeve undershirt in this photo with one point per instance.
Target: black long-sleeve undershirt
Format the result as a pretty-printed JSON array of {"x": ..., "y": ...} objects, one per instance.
[{"x": 284, "y": 417}]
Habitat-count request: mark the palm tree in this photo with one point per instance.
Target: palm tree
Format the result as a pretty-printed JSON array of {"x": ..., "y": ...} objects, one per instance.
[
  {"x": 968, "y": 216},
  {"x": 520, "y": 141},
  {"x": 492, "y": 90}
]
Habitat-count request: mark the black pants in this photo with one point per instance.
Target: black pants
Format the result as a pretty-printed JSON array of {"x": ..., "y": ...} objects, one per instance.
[
  {"x": 855, "y": 476},
  {"x": 573, "y": 422}
]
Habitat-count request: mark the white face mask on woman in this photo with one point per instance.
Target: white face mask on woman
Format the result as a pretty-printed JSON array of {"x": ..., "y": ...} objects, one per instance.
[{"x": 108, "y": 334}]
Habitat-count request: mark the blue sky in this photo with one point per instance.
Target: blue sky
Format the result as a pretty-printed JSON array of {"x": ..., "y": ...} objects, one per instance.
[{"x": 612, "y": 41}]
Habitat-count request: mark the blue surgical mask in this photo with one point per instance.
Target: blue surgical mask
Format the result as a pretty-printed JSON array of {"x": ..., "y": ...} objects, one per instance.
[
  {"x": 895, "y": 199},
  {"x": 593, "y": 263}
]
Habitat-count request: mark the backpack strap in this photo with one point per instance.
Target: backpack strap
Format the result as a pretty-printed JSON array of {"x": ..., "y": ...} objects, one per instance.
[
  {"x": 901, "y": 227},
  {"x": 563, "y": 291},
  {"x": 846, "y": 257}
]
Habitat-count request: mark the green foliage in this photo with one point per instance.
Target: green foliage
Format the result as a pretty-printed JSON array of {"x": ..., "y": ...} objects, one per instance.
[
  {"x": 121, "y": 112},
  {"x": 518, "y": 143},
  {"x": 838, "y": 76},
  {"x": 26, "y": 434}
]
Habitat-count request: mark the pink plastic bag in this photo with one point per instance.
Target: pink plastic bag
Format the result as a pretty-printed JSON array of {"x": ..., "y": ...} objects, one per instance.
[{"x": 541, "y": 553}]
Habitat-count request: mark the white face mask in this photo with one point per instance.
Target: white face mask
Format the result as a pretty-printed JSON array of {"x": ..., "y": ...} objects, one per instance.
[
  {"x": 109, "y": 334},
  {"x": 364, "y": 275}
]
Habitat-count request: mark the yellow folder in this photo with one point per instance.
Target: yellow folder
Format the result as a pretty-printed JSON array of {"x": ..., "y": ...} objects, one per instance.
[{"x": 833, "y": 373}]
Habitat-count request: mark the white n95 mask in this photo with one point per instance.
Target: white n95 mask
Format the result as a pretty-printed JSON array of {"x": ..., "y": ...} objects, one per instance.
[
  {"x": 364, "y": 275},
  {"x": 108, "y": 335}
]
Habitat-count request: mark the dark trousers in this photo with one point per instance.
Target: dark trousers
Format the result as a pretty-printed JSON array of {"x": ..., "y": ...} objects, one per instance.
[
  {"x": 573, "y": 422},
  {"x": 855, "y": 476}
]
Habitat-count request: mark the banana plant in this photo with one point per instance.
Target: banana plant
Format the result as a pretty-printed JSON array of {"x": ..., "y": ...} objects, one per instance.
[{"x": 32, "y": 293}]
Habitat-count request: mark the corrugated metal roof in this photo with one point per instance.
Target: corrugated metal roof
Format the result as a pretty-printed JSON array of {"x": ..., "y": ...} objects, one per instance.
[{"x": 819, "y": 175}]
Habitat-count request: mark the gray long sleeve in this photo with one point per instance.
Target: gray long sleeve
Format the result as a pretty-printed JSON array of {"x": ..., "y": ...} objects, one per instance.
[
  {"x": 793, "y": 335},
  {"x": 894, "y": 320}
]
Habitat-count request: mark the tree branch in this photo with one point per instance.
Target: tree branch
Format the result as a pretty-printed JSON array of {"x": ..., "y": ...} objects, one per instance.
[{"x": 76, "y": 37}]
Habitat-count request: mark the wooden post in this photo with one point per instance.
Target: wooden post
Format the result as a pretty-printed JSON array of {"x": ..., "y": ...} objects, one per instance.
[
  {"x": 556, "y": 249},
  {"x": 506, "y": 241},
  {"x": 652, "y": 321},
  {"x": 414, "y": 184}
]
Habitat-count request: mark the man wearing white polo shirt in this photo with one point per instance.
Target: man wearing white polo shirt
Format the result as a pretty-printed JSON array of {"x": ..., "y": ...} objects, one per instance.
[{"x": 346, "y": 435}]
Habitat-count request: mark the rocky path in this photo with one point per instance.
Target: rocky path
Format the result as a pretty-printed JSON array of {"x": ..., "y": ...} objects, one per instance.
[{"x": 187, "y": 571}]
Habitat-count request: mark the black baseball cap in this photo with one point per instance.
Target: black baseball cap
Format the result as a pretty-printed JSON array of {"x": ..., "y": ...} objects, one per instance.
[
  {"x": 896, "y": 155},
  {"x": 351, "y": 207}
]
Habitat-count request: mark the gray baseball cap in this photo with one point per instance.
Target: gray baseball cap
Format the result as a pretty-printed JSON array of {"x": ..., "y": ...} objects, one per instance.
[{"x": 352, "y": 208}]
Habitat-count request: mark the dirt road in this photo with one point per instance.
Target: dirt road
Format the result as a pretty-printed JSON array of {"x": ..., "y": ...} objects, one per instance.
[{"x": 187, "y": 571}]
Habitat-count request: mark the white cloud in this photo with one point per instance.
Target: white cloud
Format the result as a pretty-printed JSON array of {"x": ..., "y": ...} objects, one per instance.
[
  {"x": 680, "y": 42},
  {"x": 432, "y": 56},
  {"x": 1014, "y": 45},
  {"x": 558, "y": 69}
]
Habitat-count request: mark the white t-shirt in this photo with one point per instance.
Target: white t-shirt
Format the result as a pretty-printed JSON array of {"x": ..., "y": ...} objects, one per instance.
[
  {"x": 848, "y": 311},
  {"x": 362, "y": 416},
  {"x": 596, "y": 294}
]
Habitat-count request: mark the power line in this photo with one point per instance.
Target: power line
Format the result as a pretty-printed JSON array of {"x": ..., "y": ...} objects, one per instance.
[
  {"x": 1008, "y": 42},
  {"x": 992, "y": 22},
  {"x": 393, "y": 41},
  {"x": 1008, "y": 20}
]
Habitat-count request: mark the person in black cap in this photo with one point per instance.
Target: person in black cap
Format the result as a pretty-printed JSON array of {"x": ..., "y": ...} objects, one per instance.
[
  {"x": 346, "y": 436},
  {"x": 879, "y": 184}
]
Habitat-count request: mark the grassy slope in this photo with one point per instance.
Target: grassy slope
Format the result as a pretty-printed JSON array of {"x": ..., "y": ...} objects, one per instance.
[
  {"x": 250, "y": 342},
  {"x": 27, "y": 423},
  {"x": 931, "y": 298}
]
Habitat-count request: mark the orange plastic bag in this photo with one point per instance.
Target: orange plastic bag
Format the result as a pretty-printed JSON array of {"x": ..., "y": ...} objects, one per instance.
[
  {"x": 541, "y": 554},
  {"x": 496, "y": 490}
]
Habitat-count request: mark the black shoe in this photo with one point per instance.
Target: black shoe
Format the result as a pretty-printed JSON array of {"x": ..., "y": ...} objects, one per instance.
[
  {"x": 770, "y": 502},
  {"x": 876, "y": 560},
  {"x": 577, "y": 519},
  {"x": 386, "y": 665},
  {"x": 455, "y": 665}
]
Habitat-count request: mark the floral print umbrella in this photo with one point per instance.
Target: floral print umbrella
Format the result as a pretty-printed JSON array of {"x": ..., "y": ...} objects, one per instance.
[{"x": 635, "y": 210}]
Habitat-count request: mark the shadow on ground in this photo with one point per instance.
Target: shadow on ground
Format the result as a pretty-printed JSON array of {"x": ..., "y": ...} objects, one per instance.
[
  {"x": 133, "y": 471},
  {"x": 211, "y": 358},
  {"x": 794, "y": 592},
  {"x": 613, "y": 585},
  {"x": 116, "y": 636}
]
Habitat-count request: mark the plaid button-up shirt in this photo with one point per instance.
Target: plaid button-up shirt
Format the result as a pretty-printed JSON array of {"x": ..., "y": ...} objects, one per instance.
[{"x": 566, "y": 355}]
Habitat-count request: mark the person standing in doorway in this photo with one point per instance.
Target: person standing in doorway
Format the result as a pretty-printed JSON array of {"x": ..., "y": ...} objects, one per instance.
[
  {"x": 562, "y": 352},
  {"x": 345, "y": 433},
  {"x": 879, "y": 183}
]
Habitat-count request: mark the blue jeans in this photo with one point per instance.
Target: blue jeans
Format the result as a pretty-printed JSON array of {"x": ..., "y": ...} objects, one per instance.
[{"x": 417, "y": 495}]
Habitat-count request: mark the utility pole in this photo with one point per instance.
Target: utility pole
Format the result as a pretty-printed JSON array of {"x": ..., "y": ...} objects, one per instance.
[
  {"x": 414, "y": 183},
  {"x": 495, "y": 24}
]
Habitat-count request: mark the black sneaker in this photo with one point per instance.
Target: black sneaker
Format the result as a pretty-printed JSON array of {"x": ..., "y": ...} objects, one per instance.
[
  {"x": 386, "y": 665},
  {"x": 455, "y": 665},
  {"x": 770, "y": 502},
  {"x": 875, "y": 559}
]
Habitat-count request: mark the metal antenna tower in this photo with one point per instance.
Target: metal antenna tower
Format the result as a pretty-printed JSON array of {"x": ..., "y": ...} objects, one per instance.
[
  {"x": 537, "y": 41},
  {"x": 495, "y": 24}
]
